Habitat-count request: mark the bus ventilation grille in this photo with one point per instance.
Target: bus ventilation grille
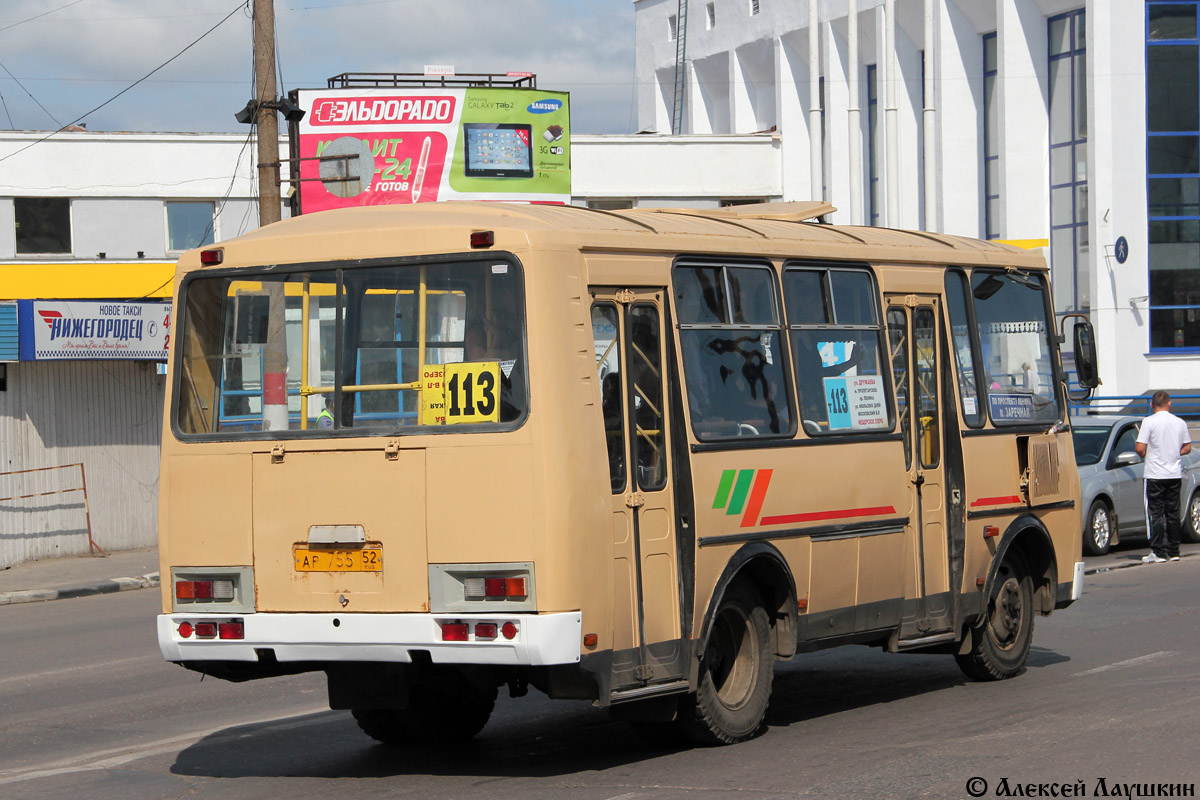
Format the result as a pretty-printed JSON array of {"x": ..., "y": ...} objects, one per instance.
[{"x": 1043, "y": 470}]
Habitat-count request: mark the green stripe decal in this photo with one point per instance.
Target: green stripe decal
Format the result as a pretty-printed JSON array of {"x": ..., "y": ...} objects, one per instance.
[
  {"x": 738, "y": 501},
  {"x": 723, "y": 488}
]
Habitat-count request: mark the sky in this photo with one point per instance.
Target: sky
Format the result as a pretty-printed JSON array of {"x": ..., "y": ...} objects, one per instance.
[{"x": 60, "y": 59}]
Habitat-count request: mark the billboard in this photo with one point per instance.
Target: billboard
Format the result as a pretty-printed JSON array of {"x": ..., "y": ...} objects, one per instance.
[
  {"x": 58, "y": 329},
  {"x": 409, "y": 145}
]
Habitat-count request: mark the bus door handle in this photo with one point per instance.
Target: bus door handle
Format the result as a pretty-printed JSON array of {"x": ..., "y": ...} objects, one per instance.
[
  {"x": 634, "y": 500},
  {"x": 919, "y": 480}
]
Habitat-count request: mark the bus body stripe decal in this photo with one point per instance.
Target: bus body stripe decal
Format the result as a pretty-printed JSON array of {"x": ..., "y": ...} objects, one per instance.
[
  {"x": 723, "y": 488},
  {"x": 996, "y": 501},
  {"x": 738, "y": 501},
  {"x": 819, "y": 515},
  {"x": 761, "y": 481}
]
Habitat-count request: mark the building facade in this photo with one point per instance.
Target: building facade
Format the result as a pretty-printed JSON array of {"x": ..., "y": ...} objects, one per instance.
[
  {"x": 1064, "y": 124},
  {"x": 90, "y": 226}
]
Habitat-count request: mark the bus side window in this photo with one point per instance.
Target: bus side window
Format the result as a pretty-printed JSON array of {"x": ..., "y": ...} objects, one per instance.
[
  {"x": 605, "y": 335},
  {"x": 836, "y": 342},
  {"x": 730, "y": 338}
]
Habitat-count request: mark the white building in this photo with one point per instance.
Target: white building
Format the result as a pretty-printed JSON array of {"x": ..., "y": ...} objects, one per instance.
[{"x": 1027, "y": 120}]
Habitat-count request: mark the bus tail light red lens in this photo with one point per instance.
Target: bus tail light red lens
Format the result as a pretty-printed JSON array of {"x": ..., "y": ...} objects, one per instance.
[
  {"x": 454, "y": 632},
  {"x": 485, "y": 630},
  {"x": 234, "y": 629},
  {"x": 483, "y": 238},
  {"x": 206, "y": 630},
  {"x": 211, "y": 257},
  {"x": 509, "y": 630},
  {"x": 185, "y": 630}
]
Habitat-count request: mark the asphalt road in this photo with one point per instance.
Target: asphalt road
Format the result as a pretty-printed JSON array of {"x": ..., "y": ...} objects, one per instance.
[{"x": 88, "y": 709}]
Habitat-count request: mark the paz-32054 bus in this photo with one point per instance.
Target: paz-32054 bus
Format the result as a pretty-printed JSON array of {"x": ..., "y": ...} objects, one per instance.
[{"x": 633, "y": 457}]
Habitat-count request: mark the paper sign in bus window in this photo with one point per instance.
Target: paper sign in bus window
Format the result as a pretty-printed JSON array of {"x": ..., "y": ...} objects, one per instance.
[{"x": 855, "y": 402}]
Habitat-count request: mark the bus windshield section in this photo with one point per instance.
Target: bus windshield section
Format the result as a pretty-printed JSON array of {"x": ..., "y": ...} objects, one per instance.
[
  {"x": 406, "y": 346},
  {"x": 836, "y": 339},
  {"x": 1012, "y": 318},
  {"x": 732, "y": 355}
]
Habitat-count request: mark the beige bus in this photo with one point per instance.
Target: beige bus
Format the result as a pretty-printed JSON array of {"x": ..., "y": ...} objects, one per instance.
[{"x": 626, "y": 456}]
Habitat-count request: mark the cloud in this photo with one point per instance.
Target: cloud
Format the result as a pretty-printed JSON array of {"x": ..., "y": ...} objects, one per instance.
[{"x": 75, "y": 58}]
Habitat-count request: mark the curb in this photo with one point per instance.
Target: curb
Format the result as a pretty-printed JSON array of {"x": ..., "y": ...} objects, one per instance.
[
  {"x": 1125, "y": 565},
  {"x": 100, "y": 587}
]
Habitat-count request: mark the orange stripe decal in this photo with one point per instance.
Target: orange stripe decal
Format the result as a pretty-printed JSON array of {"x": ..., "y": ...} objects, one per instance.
[
  {"x": 1011, "y": 499},
  {"x": 761, "y": 481}
]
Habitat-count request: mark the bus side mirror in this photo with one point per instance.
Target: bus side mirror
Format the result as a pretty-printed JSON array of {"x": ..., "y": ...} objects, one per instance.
[{"x": 1085, "y": 355}]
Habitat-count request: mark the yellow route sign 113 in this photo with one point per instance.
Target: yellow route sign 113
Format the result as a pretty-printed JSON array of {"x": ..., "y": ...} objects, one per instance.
[{"x": 454, "y": 394}]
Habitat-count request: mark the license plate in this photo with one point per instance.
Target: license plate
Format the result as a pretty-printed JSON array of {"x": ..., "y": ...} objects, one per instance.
[{"x": 366, "y": 559}]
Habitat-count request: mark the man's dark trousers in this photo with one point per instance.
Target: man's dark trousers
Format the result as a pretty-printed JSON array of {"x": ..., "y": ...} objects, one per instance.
[{"x": 1162, "y": 505}]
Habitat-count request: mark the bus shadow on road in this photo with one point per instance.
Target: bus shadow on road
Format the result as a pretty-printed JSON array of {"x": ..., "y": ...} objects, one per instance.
[
  {"x": 535, "y": 737},
  {"x": 545, "y": 740},
  {"x": 836, "y": 681}
]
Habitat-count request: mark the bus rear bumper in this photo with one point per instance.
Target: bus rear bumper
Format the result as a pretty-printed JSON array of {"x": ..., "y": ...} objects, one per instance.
[{"x": 538, "y": 639}]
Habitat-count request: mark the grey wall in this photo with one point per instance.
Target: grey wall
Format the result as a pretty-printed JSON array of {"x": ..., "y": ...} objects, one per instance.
[
  {"x": 118, "y": 227},
  {"x": 8, "y": 229},
  {"x": 106, "y": 415}
]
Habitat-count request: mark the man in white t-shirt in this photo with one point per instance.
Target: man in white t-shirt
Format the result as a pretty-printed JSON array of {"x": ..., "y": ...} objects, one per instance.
[{"x": 1162, "y": 441}]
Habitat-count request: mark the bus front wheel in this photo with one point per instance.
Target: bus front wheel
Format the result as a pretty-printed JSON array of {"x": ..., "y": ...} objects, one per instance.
[
  {"x": 1000, "y": 642},
  {"x": 730, "y": 704},
  {"x": 434, "y": 715}
]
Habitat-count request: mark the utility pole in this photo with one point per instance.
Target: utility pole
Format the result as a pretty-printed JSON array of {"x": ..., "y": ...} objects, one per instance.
[{"x": 274, "y": 386}]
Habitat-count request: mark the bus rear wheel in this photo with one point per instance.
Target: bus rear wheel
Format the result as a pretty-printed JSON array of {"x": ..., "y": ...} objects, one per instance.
[
  {"x": 1000, "y": 642},
  {"x": 433, "y": 716},
  {"x": 730, "y": 704}
]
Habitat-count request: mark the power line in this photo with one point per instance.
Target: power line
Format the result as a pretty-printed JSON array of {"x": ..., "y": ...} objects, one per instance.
[
  {"x": 39, "y": 16},
  {"x": 31, "y": 97},
  {"x": 239, "y": 6},
  {"x": 5, "y": 104}
]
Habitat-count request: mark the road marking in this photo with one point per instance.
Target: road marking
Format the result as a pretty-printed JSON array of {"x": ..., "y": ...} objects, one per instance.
[
  {"x": 106, "y": 759},
  {"x": 1132, "y": 662},
  {"x": 67, "y": 670}
]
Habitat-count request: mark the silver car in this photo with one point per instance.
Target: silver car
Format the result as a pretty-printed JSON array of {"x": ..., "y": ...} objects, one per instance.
[{"x": 1112, "y": 488}]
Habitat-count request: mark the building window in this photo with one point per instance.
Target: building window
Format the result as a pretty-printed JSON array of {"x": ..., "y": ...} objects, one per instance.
[
  {"x": 710, "y": 15},
  {"x": 189, "y": 224},
  {"x": 754, "y": 8},
  {"x": 672, "y": 27},
  {"x": 43, "y": 225},
  {"x": 1173, "y": 173},
  {"x": 872, "y": 135},
  {"x": 1069, "y": 244},
  {"x": 991, "y": 141}
]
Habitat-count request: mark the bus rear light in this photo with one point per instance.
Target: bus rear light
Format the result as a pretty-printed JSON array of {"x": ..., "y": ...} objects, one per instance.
[
  {"x": 206, "y": 630},
  {"x": 509, "y": 630},
  {"x": 211, "y": 257},
  {"x": 483, "y": 238},
  {"x": 454, "y": 631},
  {"x": 485, "y": 630},
  {"x": 504, "y": 587},
  {"x": 185, "y": 630},
  {"x": 473, "y": 589},
  {"x": 218, "y": 590},
  {"x": 990, "y": 530},
  {"x": 234, "y": 629}
]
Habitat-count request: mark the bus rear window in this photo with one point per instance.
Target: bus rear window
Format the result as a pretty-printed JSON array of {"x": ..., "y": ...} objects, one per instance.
[{"x": 353, "y": 349}]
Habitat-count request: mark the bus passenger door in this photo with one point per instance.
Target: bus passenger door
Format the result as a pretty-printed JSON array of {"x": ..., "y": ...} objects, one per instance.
[
  {"x": 914, "y": 331},
  {"x": 627, "y": 327}
]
